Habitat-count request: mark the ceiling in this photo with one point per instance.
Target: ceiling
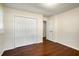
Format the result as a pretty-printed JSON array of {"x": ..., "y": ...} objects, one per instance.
[{"x": 40, "y": 8}]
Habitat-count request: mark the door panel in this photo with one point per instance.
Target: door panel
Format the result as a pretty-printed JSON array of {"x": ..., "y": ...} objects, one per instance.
[{"x": 25, "y": 31}]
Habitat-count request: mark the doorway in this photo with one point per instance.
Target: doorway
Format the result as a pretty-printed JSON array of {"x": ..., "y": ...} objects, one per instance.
[{"x": 44, "y": 30}]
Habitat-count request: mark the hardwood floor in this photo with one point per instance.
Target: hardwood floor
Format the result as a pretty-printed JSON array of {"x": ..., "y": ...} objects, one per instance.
[{"x": 48, "y": 48}]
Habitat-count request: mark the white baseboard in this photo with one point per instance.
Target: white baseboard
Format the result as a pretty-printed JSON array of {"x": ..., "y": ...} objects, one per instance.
[
  {"x": 1, "y": 53},
  {"x": 66, "y": 45},
  {"x": 23, "y": 45}
]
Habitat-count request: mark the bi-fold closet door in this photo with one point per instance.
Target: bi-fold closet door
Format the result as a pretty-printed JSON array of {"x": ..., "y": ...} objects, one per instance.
[{"x": 25, "y": 31}]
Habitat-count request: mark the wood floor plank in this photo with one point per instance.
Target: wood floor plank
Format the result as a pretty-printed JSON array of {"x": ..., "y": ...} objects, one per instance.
[{"x": 48, "y": 48}]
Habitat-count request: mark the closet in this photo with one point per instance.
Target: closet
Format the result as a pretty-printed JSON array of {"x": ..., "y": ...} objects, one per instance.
[{"x": 25, "y": 30}]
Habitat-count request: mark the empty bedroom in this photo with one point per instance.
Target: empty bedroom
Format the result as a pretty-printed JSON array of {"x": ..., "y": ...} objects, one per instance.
[{"x": 39, "y": 29}]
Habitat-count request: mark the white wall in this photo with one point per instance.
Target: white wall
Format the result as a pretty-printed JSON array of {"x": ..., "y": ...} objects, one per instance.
[
  {"x": 8, "y": 23},
  {"x": 1, "y": 30},
  {"x": 66, "y": 28}
]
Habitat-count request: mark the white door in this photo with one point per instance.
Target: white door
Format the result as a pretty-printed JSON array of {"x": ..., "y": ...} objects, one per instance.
[{"x": 24, "y": 31}]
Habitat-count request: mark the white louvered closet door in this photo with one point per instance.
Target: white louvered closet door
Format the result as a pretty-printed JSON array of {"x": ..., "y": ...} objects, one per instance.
[{"x": 24, "y": 31}]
